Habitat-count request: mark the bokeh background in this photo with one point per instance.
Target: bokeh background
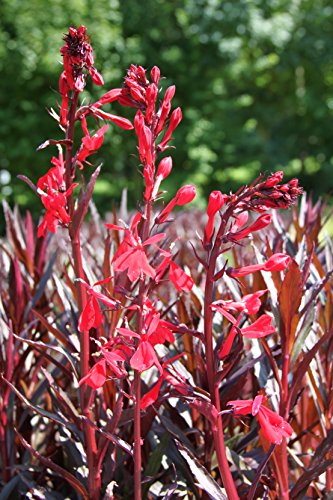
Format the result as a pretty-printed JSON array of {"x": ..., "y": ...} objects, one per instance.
[{"x": 254, "y": 79}]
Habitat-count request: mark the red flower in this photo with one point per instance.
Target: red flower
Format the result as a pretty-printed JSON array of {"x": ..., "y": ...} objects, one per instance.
[
  {"x": 91, "y": 316},
  {"x": 96, "y": 377},
  {"x": 184, "y": 195},
  {"x": 260, "y": 328},
  {"x": 90, "y": 144},
  {"x": 163, "y": 170},
  {"x": 181, "y": 280},
  {"x": 274, "y": 427},
  {"x": 177, "y": 381},
  {"x": 215, "y": 203},
  {"x": 55, "y": 203},
  {"x": 277, "y": 262},
  {"x": 260, "y": 223}
]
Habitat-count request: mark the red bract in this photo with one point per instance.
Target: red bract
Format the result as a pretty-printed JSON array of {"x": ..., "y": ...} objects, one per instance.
[{"x": 274, "y": 427}]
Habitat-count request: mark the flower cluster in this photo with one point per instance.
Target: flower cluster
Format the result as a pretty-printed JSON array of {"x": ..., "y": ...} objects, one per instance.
[{"x": 271, "y": 194}]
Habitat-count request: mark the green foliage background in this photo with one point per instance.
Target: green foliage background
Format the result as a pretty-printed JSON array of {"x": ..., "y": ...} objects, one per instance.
[{"x": 254, "y": 79}]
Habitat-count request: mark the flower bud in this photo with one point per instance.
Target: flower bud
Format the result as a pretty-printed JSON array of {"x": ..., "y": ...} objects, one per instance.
[
  {"x": 278, "y": 262},
  {"x": 155, "y": 75},
  {"x": 215, "y": 202},
  {"x": 185, "y": 195}
]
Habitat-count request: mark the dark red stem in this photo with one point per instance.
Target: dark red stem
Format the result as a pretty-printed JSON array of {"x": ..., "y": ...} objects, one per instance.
[{"x": 94, "y": 475}]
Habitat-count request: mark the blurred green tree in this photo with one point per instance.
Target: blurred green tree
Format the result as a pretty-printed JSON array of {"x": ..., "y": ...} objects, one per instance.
[{"x": 254, "y": 79}]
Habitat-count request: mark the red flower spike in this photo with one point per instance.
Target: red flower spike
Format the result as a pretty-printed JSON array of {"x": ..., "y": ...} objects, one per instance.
[
  {"x": 78, "y": 55},
  {"x": 182, "y": 281},
  {"x": 274, "y": 427}
]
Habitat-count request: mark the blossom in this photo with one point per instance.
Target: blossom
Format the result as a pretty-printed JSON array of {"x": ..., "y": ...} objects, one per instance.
[
  {"x": 277, "y": 262},
  {"x": 274, "y": 427},
  {"x": 55, "y": 203},
  {"x": 271, "y": 194},
  {"x": 262, "y": 221},
  {"x": 177, "y": 381},
  {"x": 153, "y": 332},
  {"x": 248, "y": 303},
  {"x": 215, "y": 203},
  {"x": 181, "y": 280},
  {"x": 90, "y": 144},
  {"x": 259, "y": 328},
  {"x": 91, "y": 316},
  {"x": 184, "y": 195},
  {"x": 96, "y": 377},
  {"x": 131, "y": 254}
]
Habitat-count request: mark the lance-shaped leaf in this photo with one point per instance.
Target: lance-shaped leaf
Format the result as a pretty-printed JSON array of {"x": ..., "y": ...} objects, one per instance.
[
  {"x": 72, "y": 480},
  {"x": 290, "y": 297},
  {"x": 84, "y": 199},
  {"x": 205, "y": 480}
]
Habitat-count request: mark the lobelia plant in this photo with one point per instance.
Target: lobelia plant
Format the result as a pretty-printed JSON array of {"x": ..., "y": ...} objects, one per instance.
[{"x": 147, "y": 329}]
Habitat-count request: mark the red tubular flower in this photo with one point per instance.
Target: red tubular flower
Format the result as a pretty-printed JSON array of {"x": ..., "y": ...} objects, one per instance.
[
  {"x": 90, "y": 144},
  {"x": 175, "y": 119},
  {"x": 260, "y": 223},
  {"x": 96, "y": 376},
  {"x": 163, "y": 171},
  {"x": 181, "y": 280},
  {"x": 55, "y": 203},
  {"x": 260, "y": 328},
  {"x": 91, "y": 316},
  {"x": 277, "y": 262},
  {"x": 215, "y": 203},
  {"x": 184, "y": 195},
  {"x": 64, "y": 92},
  {"x": 273, "y": 427}
]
